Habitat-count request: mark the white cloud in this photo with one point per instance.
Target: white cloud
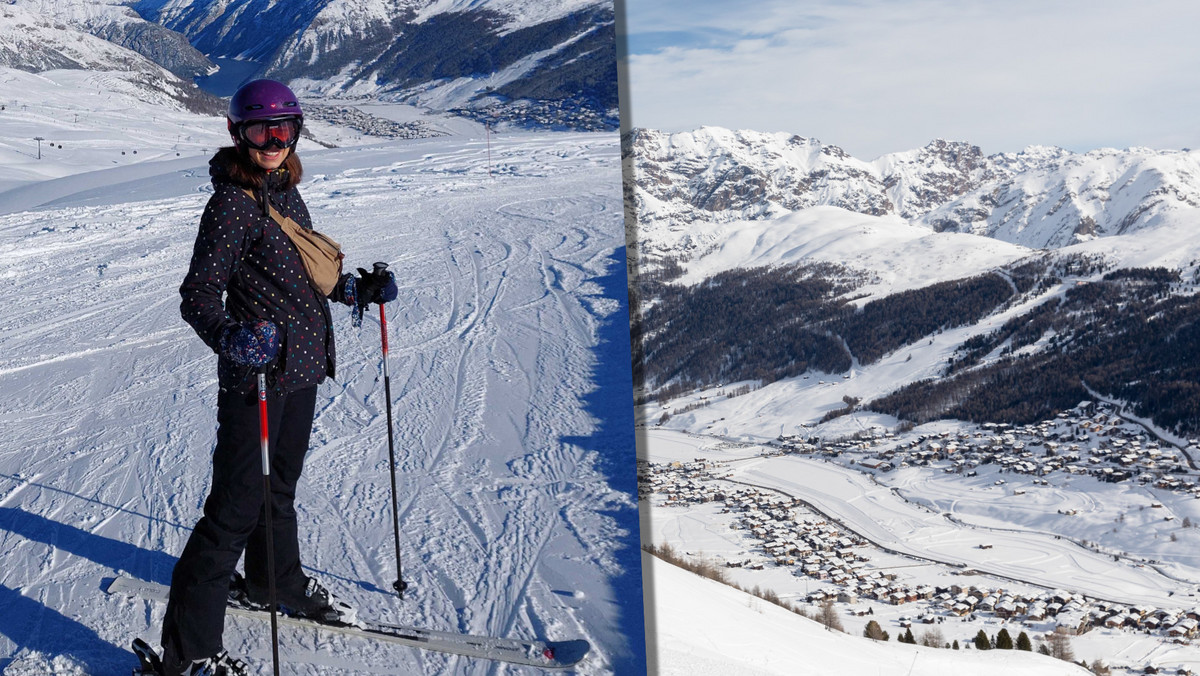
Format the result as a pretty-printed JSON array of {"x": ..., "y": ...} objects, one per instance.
[{"x": 880, "y": 75}]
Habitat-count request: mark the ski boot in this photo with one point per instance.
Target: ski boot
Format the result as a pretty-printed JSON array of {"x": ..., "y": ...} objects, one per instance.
[
  {"x": 315, "y": 602},
  {"x": 220, "y": 664}
]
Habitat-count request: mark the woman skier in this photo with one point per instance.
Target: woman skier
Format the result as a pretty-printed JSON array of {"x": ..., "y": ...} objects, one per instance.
[{"x": 273, "y": 317}]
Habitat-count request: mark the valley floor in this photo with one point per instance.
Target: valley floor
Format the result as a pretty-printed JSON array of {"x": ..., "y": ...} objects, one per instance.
[{"x": 976, "y": 535}]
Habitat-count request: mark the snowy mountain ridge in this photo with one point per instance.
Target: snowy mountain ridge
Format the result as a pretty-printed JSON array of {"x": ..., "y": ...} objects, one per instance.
[
  {"x": 551, "y": 63},
  {"x": 32, "y": 41},
  {"x": 117, "y": 23},
  {"x": 37, "y": 42},
  {"x": 1042, "y": 197},
  {"x": 841, "y": 281}
]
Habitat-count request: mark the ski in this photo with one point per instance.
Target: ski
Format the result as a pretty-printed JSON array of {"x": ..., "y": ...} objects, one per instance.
[{"x": 534, "y": 653}]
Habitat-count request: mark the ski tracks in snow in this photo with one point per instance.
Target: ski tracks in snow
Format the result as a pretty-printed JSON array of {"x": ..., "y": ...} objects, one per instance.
[{"x": 107, "y": 409}]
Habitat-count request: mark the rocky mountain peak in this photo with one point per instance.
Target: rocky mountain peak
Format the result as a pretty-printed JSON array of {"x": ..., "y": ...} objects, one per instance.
[
  {"x": 1041, "y": 197},
  {"x": 116, "y": 22}
]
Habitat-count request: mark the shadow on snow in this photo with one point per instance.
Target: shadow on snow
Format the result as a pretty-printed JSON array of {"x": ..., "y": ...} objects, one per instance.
[
  {"x": 109, "y": 553},
  {"x": 611, "y": 403},
  {"x": 34, "y": 627}
]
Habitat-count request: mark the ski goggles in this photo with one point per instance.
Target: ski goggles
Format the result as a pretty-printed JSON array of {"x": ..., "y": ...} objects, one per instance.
[{"x": 262, "y": 134}]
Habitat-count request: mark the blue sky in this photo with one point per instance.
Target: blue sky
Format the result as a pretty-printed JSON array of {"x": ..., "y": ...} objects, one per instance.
[{"x": 876, "y": 76}]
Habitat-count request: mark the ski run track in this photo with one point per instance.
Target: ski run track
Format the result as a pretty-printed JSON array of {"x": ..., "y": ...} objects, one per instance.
[{"x": 515, "y": 517}]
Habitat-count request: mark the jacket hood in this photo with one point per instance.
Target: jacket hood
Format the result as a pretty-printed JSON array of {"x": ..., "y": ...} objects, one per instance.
[
  {"x": 220, "y": 167},
  {"x": 229, "y": 167}
]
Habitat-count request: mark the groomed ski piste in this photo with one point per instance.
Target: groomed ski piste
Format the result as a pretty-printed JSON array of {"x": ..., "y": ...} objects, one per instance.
[{"x": 509, "y": 370}]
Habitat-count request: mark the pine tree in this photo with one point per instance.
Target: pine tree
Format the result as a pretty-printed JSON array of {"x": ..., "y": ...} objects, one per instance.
[
  {"x": 873, "y": 631},
  {"x": 956, "y": 644},
  {"x": 1004, "y": 640},
  {"x": 1023, "y": 642},
  {"x": 982, "y": 642},
  {"x": 909, "y": 638}
]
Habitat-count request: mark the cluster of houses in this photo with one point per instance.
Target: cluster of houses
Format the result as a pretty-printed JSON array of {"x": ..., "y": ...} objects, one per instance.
[
  {"x": 818, "y": 549},
  {"x": 369, "y": 125},
  {"x": 681, "y": 483},
  {"x": 576, "y": 114},
  {"x": 1091, "y": 439},
  {"x": 1074, "y": 613},
  {"x": 1172, "y": 623}
]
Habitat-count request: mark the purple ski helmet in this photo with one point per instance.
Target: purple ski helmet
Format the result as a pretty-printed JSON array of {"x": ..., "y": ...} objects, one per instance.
[{"x": 262, "y": 100}]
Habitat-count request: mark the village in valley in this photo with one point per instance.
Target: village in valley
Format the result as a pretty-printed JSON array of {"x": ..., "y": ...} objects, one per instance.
[
  {"x": 783, "y": 532},
  {"x": 1092, "y": 439}
]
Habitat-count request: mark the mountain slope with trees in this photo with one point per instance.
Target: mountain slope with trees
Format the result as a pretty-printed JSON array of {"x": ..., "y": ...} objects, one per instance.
[{"x": 750, "y": 268}]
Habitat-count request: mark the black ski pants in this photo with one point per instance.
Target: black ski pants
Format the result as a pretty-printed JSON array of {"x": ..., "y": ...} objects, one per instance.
[{"x": 234, "y": 520}]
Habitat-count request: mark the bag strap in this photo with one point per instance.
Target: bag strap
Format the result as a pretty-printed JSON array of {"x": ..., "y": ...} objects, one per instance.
[
  {"x": 300, "y": 235},
  {"x": 289, "y": 226},
  {"x": 320, "y": 255}
]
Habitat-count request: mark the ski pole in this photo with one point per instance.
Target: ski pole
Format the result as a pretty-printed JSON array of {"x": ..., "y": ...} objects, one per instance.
[
  {"x": 399, "y": 585},
  {"x": 264, "y": 441}
]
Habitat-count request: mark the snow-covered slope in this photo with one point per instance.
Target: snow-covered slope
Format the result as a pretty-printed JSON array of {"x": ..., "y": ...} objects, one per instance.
[
  {"x": 1038, "y": 198},
  {"x": 891, "y": 256},
  {"x": 35, "y": 41},
  {"x": 896, "y": 255},
  {"x": 705, "y": 628},
  {"x": 116, "y": 22},
  {"x": 91, "y": 120},
  {"x": 513, "y": 424}
]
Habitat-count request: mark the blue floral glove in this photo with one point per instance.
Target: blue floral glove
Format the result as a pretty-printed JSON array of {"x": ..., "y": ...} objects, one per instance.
[{"x": 253, "y": 343}]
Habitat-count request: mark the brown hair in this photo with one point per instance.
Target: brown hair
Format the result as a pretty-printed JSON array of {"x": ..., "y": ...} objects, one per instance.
[{"x": 243, "y": 171}]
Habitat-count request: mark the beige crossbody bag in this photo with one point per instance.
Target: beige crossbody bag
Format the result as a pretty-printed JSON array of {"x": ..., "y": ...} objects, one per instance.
[{"x": 322, "y": 257}]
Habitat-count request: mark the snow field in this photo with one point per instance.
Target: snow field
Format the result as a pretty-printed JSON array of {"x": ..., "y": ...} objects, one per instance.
[
  {"x": 509, "y": 522},
  {"x": 1122, "y": 516},
  {"x": 885, "y": 246},
  {"x": 99, "y": 118}
]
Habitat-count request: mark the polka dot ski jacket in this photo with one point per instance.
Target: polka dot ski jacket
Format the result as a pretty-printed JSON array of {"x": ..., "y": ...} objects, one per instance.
[{"x": 242, "y": 253}]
